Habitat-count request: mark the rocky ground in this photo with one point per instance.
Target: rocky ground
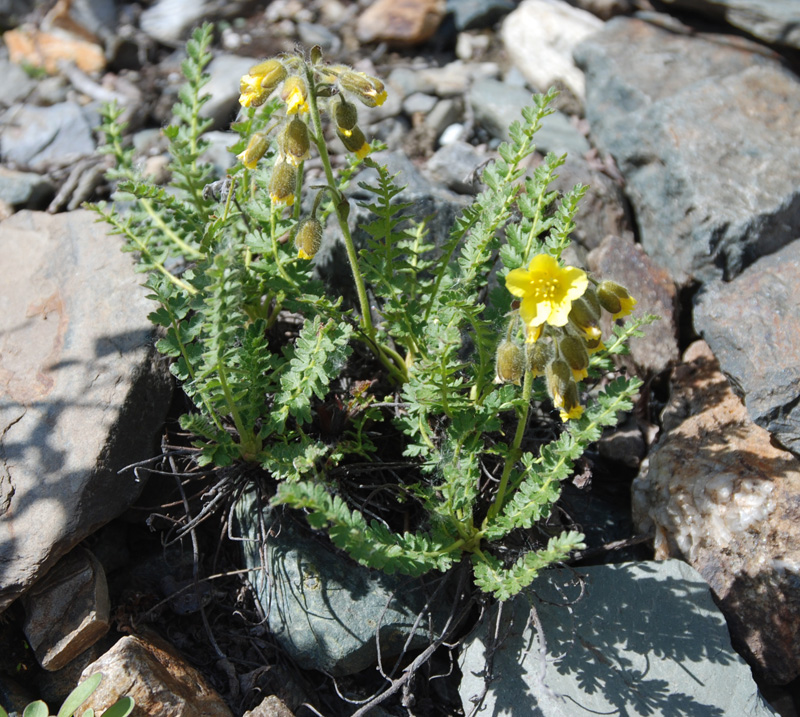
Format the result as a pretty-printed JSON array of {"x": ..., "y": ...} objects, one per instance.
[{"x": 682, "y": 118}]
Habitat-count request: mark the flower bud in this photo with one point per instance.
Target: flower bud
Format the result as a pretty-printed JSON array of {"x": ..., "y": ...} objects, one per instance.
[
  {"x": 539, "y": 355},
  {"x": 570, "y": 407},
  {"x": 282, "y": 183},
  {"x": 583, "y": 317},
  {"x": 293, "y": 141},
  {"x": 295, "y": 94},
  {"x": 369, "y": 90},
  {"x": 615, "y": 299},
  {"x": 563, "y": 390},
  {"x": 308, "y": 238},
  {"x": 594, "y": 345},
  {"x": 509, "y": 363},
  {"x": 345, "y": 115},
  {"x": 255, "y": 150},
  {"x": 355, "y": 142},
  {"x": 259, "y": 83},
  {"x": 559, "y": 376},
  {"x": 573, "y": 351}
]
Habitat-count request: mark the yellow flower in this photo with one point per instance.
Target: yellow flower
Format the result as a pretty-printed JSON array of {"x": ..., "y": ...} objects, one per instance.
[
  {"x": 547, "y": 292},
  {"x": 294, "y": 142},
  {"x": 369, "y": 90},
  {"x": 258, "y": 84},
  {"x": 354, "y": 141},
  {"x": 615, "y": 299},
  {"x": 308, "y": 238},
  {"x": 295, "y": 95},
  {"x": 563, "y": 390},
  {"x": 256, "y": 149},
  {"x": 282, "y": 183}
]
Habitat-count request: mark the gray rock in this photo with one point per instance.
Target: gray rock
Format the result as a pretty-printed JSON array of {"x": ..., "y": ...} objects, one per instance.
[
  {"x": 624, "y": 444},
  {"x": 443, "y": 115},
  {"x": 454, "y": 166},
  {"x": 775, "y": 21},
  {"x": 42, "y": 138},
  {"x": 324, "y": 609},
  {"x": 223, "y": 88},
  {"x": 626, "y": 263},
  {"x": 497, "y": 104},
  {"x": 67, "y": 611},
  {"x": 218, "y": 152},
  {"x": 477, "y": 14},
  {"x": 752, "y": 325},
  {"x": 12, "y": 12},
  {"x": 539, "y": 37},
  {"x": 271, "y": 706},
  {"x": 171, "y": 21},
  {"x": 406, "y": 81},
  {"x": 24, "y": 189},
  {"x": 81, "y": 392},
  {"x": 717, "y": 493},
  {"x": 312, "y": 33},
  {"x": 454, "y": 78},
  {"x": 603, "y": 210},
  {"x": 15, "y": 83},
  {"x": 633, "y": 639},
  {"x": 706, "y": 137},
  {"x": 418, "y": 102},
  {"x": 605, "y": 9}
]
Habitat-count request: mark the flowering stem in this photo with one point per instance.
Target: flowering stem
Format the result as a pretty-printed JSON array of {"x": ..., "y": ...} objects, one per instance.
[
  {"x": 388, "y": 357},
  {"x": 514, "y": 453}
]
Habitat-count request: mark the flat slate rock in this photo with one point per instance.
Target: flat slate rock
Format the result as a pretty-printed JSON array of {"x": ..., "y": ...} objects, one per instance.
[
  {"x": 628, "y": 639},
  {"x": 752, "y": 325},
  {"x": 706, "y": 135},
  {"x": 81, "y": 392},
  {"x": 44, "y": 138},
  {"x": 773, "y": 21},
  {"x": 324, "y": 609}
]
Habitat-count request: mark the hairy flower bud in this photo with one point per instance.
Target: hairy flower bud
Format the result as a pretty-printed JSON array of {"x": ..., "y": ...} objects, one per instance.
[
  {"x": 308, "y": 238},
  {"x": 539, "y": 354},
  {"x": 573, "y": 351},
  {"x": 282, "y": 183},
  {"x": 259, "y": 83},
  {"x": 509, "y": 362},
  {"x": 355, "y": 142},
  {"x": 345, "y": 115},
  {"x": 255, "y": 150},
  {"x": 563, "y": 390},
  {"x": 615, "y": 299},
  {"x": 585, "y": 318},
  {"x": 295, "y": 95},
  {"x": 293, "y": 141},
  {"x": 369, "y": 90}
]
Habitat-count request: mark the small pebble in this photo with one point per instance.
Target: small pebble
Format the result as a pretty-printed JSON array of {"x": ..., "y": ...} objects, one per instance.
[{"x": 451, "y": 134}]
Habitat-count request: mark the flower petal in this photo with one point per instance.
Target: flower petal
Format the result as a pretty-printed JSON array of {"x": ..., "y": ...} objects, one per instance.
[
  {"x": 533, "y": 311},
  {"x": 577, "y": 280},
  {"x": 518, "y": 282},
  {"x": 544, "y": 264}
]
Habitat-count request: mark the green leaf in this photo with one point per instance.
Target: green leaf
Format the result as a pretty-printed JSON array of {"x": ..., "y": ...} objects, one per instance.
[
  {"x": 317, "y": 358},
  {"x": 121, "y": 708},
  {"x": 505, "y": 582},
  {"x": 79, "y": 695},
  {"x": 36, "y": 709}
]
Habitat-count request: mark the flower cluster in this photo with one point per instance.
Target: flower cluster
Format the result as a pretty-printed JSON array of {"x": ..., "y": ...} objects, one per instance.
[
  {"x": 307, "y": 87},
  {"x": 559, "y": 312}
]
